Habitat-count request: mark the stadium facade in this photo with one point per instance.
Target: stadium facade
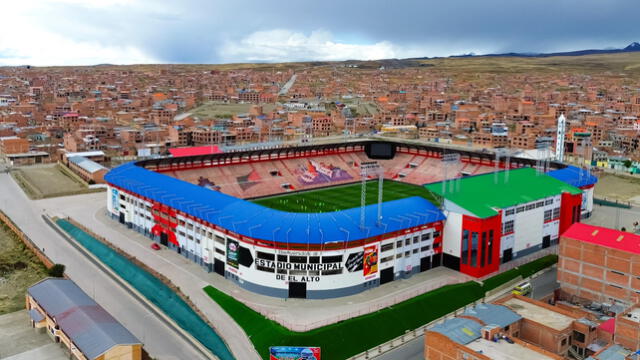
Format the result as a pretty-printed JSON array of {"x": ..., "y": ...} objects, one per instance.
[{"x": 332, "y": 254}]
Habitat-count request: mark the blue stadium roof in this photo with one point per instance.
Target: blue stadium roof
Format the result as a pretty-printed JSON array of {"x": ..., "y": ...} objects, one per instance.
[
  {"x": 574, "y": 176},
  {"x": 256, "y": 221}
]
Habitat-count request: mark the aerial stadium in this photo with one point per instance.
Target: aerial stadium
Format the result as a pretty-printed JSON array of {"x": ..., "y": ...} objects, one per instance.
[{"x": 331, "y": 220}]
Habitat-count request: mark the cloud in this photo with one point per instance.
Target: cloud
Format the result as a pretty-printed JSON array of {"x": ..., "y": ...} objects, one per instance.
[{"x": 281, "y": 45}]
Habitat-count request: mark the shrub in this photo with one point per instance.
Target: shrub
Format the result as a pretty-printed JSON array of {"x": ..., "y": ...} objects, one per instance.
[{"x": 57, "y": 270}]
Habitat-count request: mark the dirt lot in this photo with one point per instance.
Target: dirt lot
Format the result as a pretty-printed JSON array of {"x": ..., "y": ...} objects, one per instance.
[
  {"x": 219, "y": 109},
  {"x": 618, "y": 187},
  {"x": 19, "y": 269},
  {"x": 48, "y": 181}
]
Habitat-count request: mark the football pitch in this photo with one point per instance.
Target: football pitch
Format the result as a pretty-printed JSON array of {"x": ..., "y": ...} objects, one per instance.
[{"x": 343, "y": 197}]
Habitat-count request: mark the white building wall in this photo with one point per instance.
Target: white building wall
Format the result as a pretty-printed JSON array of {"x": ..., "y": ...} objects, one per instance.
[{"x": 452, "y": 234}]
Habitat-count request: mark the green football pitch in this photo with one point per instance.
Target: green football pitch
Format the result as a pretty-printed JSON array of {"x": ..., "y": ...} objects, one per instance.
[{"x": 343, "y": 197}]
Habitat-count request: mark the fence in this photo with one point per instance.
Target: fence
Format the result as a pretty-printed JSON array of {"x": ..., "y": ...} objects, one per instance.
[
  {"x": 26, "y": 240},
  {"x": 416, "y": 333},
  {"x": 612, "y": 203}
]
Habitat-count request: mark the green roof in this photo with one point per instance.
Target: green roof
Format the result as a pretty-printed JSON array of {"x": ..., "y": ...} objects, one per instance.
[{"x": 480, "y": 195}]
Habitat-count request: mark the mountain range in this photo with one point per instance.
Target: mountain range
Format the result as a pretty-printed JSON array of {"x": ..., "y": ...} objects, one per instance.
[{"x": 633, "y": 47}]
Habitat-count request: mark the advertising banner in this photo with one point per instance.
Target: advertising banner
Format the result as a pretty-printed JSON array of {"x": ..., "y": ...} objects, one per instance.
[
  {"x": 354, "y": 262},
  {"x": 232, "y": 253},
  {"x": 294, "y": 353},
  {"x": 115, "y": 200},
  {"x": 370, "y": 261}
]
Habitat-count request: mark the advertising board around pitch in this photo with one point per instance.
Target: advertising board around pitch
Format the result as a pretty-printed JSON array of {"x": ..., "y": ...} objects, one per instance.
[{"x": 294, "y": 353}]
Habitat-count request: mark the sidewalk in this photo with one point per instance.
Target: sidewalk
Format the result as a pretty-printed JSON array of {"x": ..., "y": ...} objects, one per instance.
[{"x": 296, "y": 314}]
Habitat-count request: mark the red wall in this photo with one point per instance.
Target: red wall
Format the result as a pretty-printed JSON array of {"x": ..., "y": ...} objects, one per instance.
[
  {"x": 480, "y": 226},
  {"x": 568, "y": 212}
]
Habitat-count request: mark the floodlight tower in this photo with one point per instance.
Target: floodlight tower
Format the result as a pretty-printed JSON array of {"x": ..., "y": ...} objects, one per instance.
[
  {"x": 366, "y": 169},
  {"x": 562, "y": 128}
]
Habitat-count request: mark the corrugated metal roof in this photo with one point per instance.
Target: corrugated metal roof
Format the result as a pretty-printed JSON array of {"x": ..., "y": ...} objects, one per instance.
[
  {"x": 492, "y": 314},
  {"x": 256, "y": 221},
  {"x": 86, "y": 164},
  {"x": 91, "y": 328},
  {"x": 613, "y": 352},
  {"x": 460, "y": 330}
]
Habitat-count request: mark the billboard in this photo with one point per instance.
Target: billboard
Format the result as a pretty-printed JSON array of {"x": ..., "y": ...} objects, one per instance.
[
  {"x": 294, "y": 353},
  {"x": 115, "y": 201},
  {"x": 232, "y": 252},
  {"x": 370, "y": 261}
]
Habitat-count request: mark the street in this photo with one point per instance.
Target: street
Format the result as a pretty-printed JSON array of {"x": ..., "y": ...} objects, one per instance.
[
  {"x": 543, "y": 285},
  {"x": 160, "y": 340}
]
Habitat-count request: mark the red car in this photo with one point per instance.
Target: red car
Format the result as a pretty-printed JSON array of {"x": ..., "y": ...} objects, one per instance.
[{"x": 155, "y": 246}]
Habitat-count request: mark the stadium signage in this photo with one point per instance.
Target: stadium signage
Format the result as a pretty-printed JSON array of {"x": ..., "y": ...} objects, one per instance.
[{"x": 298, "y": 266}]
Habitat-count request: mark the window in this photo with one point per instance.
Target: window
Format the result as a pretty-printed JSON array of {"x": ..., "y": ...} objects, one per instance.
[
  {"x": 416, "y": 239},
  {"x": 436, "y": 245},
  {"x": 332, "y": 259},
  {"x": 509, "y": 212},
  {"x": 332, "y": 272},
  {"x": 425, "y": 248},
  {"x": 547, "y": 215},
  {"x": 520, "y": 209},
  {"x": 298, "y": 259},
  {"x": 578, "y": 336},
  {"x": 386, "y": 259},
  {"x": 556, "y": 213},
  {"x": 399, "y": 244},
  {"x": 407, "y": 242},
  {"x": 266, "y": 256},
  {"x": 283, "y": 258},
  {"x": 398, "y": 256},
  {"x": 219, "y": 251},
  {"x": 436, "y": 234},
  {"x": 530, "y": 207},
  {"x": 386, "y": 247},
  {"x": 563, "y": 342},
  {"x": 474, "y": 249},
  {"x": 265, "y": 269},
  {"x": 484, "y": 248},
  {"x": 539, "y": 204},
  {"x": 415, "y": 251},
  {"x": 407, "y": 253},
  {"x": 426, "y": 237},
  {"x": 548, "y": 201},
  {"x": 490, "y": 253},
  {"x": 314, "y": 259},
  {"x": 507, "y": 227},
  {"x": 464, "y": 254}
]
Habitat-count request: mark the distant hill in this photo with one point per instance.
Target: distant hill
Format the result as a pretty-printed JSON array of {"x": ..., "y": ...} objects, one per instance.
[{"x": 633, "y": 47}]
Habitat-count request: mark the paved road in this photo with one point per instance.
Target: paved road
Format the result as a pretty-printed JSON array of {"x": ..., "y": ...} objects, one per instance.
[
  {"x": 285, "y": 88},
  {"x": 160, "y": 340},
  {"x": 543, "y": 285},
  {"x": 614, "y": 217}
]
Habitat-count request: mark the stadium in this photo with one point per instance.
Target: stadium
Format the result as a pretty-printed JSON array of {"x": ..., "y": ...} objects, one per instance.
[{"x": 331, "y": 220}]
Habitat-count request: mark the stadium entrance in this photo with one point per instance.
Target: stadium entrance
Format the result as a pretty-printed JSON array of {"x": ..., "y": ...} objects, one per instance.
[{"x": 298, "y": 290}]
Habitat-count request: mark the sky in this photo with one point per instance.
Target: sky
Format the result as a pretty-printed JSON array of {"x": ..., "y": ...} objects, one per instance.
[{"x": 89, "y": 32}]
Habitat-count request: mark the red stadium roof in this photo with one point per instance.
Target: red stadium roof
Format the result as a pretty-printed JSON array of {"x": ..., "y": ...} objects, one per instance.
[
  {"x": 610, "y": 238},
  {"x": 195, "y": 150}
]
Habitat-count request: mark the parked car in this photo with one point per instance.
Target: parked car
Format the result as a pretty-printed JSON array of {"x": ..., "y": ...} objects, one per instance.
[
  {"x": 523, "y": 289},
  {"x": 155, "y": 246}
]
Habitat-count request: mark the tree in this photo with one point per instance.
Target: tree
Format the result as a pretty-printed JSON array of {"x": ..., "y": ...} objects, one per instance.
[
  {"x": 627, "y": 163},
  {"x": 57, "y": 270}
]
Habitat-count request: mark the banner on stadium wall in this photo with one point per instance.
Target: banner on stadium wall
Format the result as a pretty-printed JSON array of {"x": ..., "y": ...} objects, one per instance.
[
  {"x": 354, "y": 262},
  {"x": 294, "y": 353},
  {"x": 115, "y": 200},
  {"x": 232, "y": 253},
  {"x": 370, "y": 261}
]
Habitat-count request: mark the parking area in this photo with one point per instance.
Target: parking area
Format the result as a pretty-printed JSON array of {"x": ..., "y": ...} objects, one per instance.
[{"x": 19, "y": 341}]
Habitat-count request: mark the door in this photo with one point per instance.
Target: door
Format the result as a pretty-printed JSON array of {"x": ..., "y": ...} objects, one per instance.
[
  {"x": 386, "y": 275},
  {"x": 218, "y": 267},
  {"x": 121, "y": 218},
  {"x": 425, "y": 263},
  {"x": 507, "y": 255},
  {"x": 546, "y": 241},
  {"x": 436, "y": 260},
  {"x": 164, "y": 239},
  {"x": 298, "y": 290}
]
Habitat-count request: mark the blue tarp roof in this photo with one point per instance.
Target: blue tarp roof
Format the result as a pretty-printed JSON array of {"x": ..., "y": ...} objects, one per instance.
[
  {"x": 492, "y": 314},
  {"x": 460, "y": 330},
  {"x": 574, "y": 176},
  {"x": 256, "y": 221}
]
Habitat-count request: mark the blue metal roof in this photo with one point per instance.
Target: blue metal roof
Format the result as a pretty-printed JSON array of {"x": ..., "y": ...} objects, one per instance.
[
  {"x": 256, "y": 221},
  {"x": 460, "y": 330},
  {"x": 574, "y": 176},
  {"x": 90, "y": 327},
  {"x": 613, "y": 352},
  {"x": 492, "y": 314}
]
